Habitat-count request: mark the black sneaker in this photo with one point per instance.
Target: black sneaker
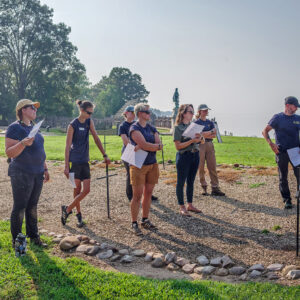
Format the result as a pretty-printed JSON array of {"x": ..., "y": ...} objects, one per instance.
[
  {"x": 79, "y": 220},
  {"x": 38, "y": 242},
  {"x": 135, "y": 229},
  {"x": 154, "y": 198},
  {"x": 64, "y": 214},
  {"x": 217, "y": 192},
  {"x": 288, "y": 204},
  {"x": 148, "y": 225}
]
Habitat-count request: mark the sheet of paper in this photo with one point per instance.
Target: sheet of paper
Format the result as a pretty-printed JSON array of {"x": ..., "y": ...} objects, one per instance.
[
  {"x": 192, "y": 130},
  {"x": 72, "y": 179},
  {"x": 135, "y": 158},
  {"x": 294, "y": 156},
  {"x": 35, "y": 129}
]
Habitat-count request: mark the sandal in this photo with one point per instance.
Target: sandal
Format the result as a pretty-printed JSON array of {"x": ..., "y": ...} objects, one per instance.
[
  {"x": 184, "y": 213},
  {"x": 194, "y": 209}
]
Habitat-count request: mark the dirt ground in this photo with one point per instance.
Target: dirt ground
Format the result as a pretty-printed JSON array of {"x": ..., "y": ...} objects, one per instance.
[{"x": 241, "y": 225}]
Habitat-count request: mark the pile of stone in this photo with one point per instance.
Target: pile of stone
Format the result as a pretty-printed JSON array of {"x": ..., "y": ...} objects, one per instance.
[{"x": 218, "y": 266}]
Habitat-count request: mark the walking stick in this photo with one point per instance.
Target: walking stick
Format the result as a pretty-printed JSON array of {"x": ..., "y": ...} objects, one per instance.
[
  {"x": 107, "y": 182},
  {"x": 298, "y": 196},
  {"x": 162, "y": 154}
]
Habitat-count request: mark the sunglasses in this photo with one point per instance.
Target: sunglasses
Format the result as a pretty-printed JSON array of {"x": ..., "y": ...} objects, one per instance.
[
  {"x": 190, "y": 111},
  {"x": 31, "y": 106},
  {"x": 89, "y": 112},
  {"x": 148, "y": 112}
]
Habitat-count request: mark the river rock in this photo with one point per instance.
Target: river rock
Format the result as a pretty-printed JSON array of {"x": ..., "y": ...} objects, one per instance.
[
  {"x": 222, "y": 272},
  {"x": 115, "y": 257},
  {"x": 275, "y": 267},
  {"x": 257, "y": 267},
  {"x": 124, "y": 252},
  {"x": 60, "y": 236},
  {"x": 156, "y": 255},
  {"x": 227, "y": 262},
  {"x": 237, "y": 270},
  {"x": 149, "y": 256},
  {"x": 127, "y": 259},
  {"x": 92, "y": 250},
  {"x": 82, "y": 248},
  {"x": 293, "y": 274},
  {"x": 202, "y": 260},
  {"x": 138, "y": 253},
  {"x": 188, "y": 268},
  {"x": 56, "y": 240},
  {"x": 52, "y": 234},
  {"x": 172, "y": 267},
  {"x": 255, "y": 274},
  {"x": 181, "y": 261},
  {"x": 85, "y": 238},
  {"x": 105, "y": 254},
  {"x": 106, "y": 246},
  {"x": 207, "y": 270},
  {"x": 272, "y": 276},
  {"x": 288, "y": 268},
  {"x": 243, "y": 277},
  {"x": 170, "y": 257},
  {"x": 92, "y": 242},
  {"x": 158, "y": 262},
  {"x": 216, "y": 262},
  {"x": 69, "y": 242}
]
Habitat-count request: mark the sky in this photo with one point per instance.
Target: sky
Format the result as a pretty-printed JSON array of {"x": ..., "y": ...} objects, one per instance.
[{"x": 240, "y": 57}]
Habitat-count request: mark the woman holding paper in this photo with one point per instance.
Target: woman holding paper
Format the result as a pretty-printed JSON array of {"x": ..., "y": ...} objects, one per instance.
[
  {"x": 187, "y": 158},
  {"x": 27, "y": 170},
  {"x": 77, "y": 157},
  {"x": 143, "y": 136}
]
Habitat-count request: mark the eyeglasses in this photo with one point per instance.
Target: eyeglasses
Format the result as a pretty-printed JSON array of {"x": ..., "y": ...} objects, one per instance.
[
  {"x": 148, "y": 112},
  {"x": 190, "y": 111},
  {"x": 31, "y": 106},
  {"x": 89, "y": 112}
]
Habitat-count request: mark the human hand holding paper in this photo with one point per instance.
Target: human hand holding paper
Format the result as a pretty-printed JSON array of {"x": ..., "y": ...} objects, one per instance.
[
  {"x": 35, "y": 129},
  {"x": 192, "y": 130}
]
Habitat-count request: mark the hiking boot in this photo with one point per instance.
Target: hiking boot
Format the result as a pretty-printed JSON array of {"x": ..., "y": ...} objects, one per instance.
[
  {"x": 205, "y": 193},
  {"x": 38, "y": 242},
  {"x": 288, "y": 204},
  {"x": 147, "y": 224},
  {"x": 79, "y": 220},
  {"x": 135, "y": 229},
  {"x": 154, "y": 198},
  {"x": 215, "y": 191},
  {"x": 64, "y": 214}
]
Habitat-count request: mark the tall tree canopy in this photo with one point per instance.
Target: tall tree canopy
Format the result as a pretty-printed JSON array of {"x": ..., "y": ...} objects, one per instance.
[
  {"x": 38, "y": 58},
  {"x": 112, "y": 92}
]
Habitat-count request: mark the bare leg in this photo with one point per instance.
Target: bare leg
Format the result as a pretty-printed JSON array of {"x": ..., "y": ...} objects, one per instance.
[
  {"x": 147, "y": 199},
  {"x": 76, "y": 192},
  {"x": 136, "y": 200},
  {"x": 81, "y": 195}
]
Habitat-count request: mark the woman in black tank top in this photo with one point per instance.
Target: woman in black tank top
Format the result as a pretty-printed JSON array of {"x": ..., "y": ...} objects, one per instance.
[{"x": 77, "y": 157}]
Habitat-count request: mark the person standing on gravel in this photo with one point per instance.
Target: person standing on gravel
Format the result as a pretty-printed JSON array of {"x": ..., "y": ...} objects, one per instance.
[
  {"x": 124, "y": 134},
  {"x": 144, "y": 136},
  {"x": 77, "y": 157},
  {"x": 27, "y": 170},
  {"x": 207, "y": 153},
  {"x": 286, "y": 125},
  {"x": 187, "y": 158}
]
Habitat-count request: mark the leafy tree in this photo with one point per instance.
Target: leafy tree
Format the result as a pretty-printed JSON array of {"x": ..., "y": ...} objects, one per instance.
[
  {"x": 39, "y": 58},
  {"x": 112, "y": 92}
]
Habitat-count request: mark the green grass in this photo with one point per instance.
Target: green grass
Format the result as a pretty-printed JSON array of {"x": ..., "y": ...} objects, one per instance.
[
  {"x": 256, "y": 185},
  {"x": 241, "y": 150},
  {"x": 40, "y": 275},
  {"x": 276, "y": 227}
]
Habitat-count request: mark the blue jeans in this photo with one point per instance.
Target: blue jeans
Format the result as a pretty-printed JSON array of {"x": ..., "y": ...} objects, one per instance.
[{"x": 187, "y": 166}]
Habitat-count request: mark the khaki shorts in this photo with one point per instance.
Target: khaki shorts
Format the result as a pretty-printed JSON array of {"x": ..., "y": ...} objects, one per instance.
[{"x": 147, "y": 174}]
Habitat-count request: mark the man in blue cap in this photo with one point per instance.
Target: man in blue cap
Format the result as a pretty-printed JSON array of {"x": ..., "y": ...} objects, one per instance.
[{"x": 286, "y": 125}]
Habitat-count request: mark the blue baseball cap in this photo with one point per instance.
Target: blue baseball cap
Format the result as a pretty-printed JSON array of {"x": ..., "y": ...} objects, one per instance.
[
  {"x": 291, "y": 100},
  {"x": 129, "y": 108}
]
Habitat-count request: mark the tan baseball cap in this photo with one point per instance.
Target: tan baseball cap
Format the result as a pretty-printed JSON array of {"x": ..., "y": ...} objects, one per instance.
[{"x": 25, "y": 102}]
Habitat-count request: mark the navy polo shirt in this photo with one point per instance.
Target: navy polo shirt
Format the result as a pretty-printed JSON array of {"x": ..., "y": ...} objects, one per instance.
[
  {"x": 208, "y": 125},
  {"x": 148, "y": 132},
  {"x": 32, "y": 158},
  {"x": 124, "y": 129},
  {"x": 286, "y": 130}
]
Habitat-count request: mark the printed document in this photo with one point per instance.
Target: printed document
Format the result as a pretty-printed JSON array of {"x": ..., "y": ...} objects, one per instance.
[
  {"x": 72, "y": 179},
  {"x": 294, "y": 156},
  {"x": 135, "y": 158},
  {"x": 35, "y": 129},
  {"x": 192, "y": 130}
]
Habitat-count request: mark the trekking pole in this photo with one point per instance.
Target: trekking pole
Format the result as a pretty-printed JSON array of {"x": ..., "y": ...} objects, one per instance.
[
  {"x": 298, "y": 196},
  {"x": 162, "y": 154},
  {"x": 107, "y": 182}
]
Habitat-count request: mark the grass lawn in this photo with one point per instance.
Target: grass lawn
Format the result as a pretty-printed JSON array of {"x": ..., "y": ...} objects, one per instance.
[
  {"x": 40, "y": 275},
  {"x": 241, "y": 150}
]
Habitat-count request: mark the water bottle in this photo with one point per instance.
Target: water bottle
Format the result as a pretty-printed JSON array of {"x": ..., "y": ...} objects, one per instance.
[{"x": 20, "y": 245}]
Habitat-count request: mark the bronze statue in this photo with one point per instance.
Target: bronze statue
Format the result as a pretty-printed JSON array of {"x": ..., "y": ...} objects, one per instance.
[{"x": 176, "y": 102}]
